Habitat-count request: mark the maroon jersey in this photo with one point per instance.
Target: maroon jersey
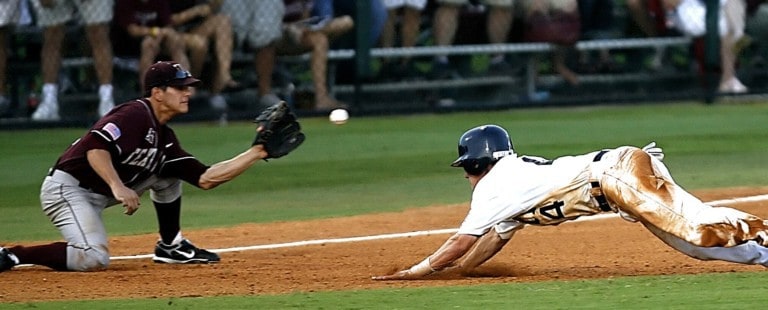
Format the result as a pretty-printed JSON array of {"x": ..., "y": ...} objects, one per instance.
[{"x": 139, "y": 145}]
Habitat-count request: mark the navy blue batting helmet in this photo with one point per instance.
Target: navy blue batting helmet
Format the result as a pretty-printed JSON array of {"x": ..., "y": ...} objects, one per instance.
[{"x": 482, "y": 146}]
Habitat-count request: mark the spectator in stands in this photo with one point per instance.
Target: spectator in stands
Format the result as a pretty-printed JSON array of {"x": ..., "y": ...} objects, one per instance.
[
  {"x": 757, "y": 28},
  {"x": 5, "y": 103},
  {"x": 335, "y": 8},
  {"x": 731, "y": 44},
  {"x": 304, "y": 33},
  {"x": 446, "y": 21},
  {"x": 597, "y": 23},
  {"x": 689, "y": 18},
  {"x": 346, "y": 70},
  {"x": 9, "y": 13},
  {"x": 52, "y": 16},
  {"x": 558, "y": 22},
  {"x": 143, "y": 29},
  {"x": 409, "y": 14},
  {"x": 258, "y": 26},
  {"x": 199, "y": 24},
  {"x": 649, "y": 16}
]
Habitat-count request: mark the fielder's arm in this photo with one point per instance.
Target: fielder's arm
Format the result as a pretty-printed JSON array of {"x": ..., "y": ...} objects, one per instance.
[
  {"x": 101, "y": 162},
  {"x": 453, "y": 249},
  {"x": 229, "y": 169}
]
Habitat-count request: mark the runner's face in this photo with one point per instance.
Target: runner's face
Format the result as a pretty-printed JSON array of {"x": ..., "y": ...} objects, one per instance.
[{"x": 473, "y": 179}]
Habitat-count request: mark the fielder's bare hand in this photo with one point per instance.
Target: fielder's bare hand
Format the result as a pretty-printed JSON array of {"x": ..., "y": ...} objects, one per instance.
[{"x": 128, "y": 197}]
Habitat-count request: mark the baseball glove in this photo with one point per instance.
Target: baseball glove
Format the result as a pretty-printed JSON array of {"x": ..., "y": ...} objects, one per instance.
[{"x": 278, "y": 130}]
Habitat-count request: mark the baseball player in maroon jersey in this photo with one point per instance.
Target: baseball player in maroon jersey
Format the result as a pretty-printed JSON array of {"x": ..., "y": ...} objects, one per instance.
[
  {"x": 511, "y": 191},
  {"x": 127, "y": 152}
]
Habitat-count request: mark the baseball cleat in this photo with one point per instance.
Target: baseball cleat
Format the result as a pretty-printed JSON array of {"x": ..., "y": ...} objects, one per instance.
[
  {"x": 7, "y": 259},
  {"x": 183, "y": 253}
]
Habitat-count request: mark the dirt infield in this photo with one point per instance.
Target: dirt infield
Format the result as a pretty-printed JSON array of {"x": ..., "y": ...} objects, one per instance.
[{"x": 577, "y": 250}]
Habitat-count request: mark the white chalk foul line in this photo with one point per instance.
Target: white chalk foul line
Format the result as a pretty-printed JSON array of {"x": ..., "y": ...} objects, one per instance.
[
  {"x": 314, "y": 242},
  {"x": 414, "y": 233}
]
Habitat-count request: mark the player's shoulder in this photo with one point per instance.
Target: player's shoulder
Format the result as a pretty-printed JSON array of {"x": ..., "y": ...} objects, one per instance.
[
  {"x": 134, "y": 110},
  {"x": 134, "y": 104},
  {"x": 130, "y": 114}
]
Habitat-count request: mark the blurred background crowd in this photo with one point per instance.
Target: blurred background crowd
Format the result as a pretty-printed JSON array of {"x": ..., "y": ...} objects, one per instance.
[{"x": 73, "y": 60}]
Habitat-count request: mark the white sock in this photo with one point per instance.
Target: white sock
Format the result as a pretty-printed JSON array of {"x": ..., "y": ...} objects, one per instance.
[
  {"x": 105, "y": 92},
  {"x": 177, "y": 239},
  {"x": 51, "y": 91}
]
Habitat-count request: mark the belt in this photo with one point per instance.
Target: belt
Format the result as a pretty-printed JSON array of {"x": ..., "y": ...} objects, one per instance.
[
  {"x": 596, "y": 191},
  {"x": 63, "y": 177}
]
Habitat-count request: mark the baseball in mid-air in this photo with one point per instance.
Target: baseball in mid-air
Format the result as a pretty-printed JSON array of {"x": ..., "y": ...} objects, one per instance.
[{"x": 338, "y": 116}]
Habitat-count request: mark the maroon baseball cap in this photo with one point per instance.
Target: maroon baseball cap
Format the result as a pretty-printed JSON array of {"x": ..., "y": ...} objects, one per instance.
[{"x": 168, "y": 73}]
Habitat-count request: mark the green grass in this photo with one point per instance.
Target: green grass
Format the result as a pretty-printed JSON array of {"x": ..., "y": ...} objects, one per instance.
[
  {"x": 706, "y": 291},
  {"x": 383, "y": 164}
]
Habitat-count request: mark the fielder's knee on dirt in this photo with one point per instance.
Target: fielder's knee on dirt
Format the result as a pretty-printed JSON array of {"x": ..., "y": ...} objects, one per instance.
[{"x": 87, "y": 258}]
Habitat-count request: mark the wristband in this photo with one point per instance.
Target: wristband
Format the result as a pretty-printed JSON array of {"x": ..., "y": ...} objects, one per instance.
[
  {"x": 154, "y": 31},
  {"x": 421, "y": 269}
]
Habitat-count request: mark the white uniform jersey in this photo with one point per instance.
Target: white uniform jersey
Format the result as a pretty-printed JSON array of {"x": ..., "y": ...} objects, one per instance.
[{"x": 531, "y": 190}]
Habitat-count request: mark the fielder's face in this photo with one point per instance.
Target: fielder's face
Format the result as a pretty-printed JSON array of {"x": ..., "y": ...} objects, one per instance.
[{"x": 175, "y": 99}]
